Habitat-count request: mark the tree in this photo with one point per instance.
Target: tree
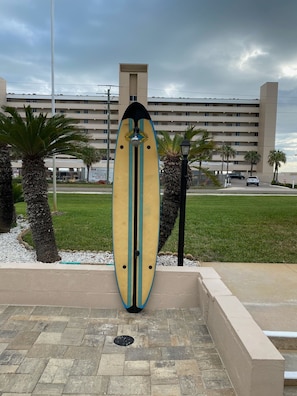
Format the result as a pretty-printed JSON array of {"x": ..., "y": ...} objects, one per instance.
[
  {"x": 35, "y": 138},
  {"x": 201, "y": 150},
  {"x": 7, "y": 212},
  {"x": 275, "y": 158},
  {"x": 89, "y": 155},
  {"x": 169, "y": 151},
  {"x": 227, "y": 152},
  {"x": 253, "y": 158}
]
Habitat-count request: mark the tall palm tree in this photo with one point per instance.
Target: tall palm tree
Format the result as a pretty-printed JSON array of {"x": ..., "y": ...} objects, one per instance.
[
  {"x": 227, "y": 152},
  {"x": 275, "y": 158},
  {"x": 169, "y": 151},
  {"x": 7, "y": 212},
  {"x": 253, "y": 158},
  {"x": 89, "y": 155},
  {"x": 35, "y": 138}
]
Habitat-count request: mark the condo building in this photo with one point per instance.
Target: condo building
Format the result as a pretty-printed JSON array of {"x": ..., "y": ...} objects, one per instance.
[{"x": 244, "y": 124}]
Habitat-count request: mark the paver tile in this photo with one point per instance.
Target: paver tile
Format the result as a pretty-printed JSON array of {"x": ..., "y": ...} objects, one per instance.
[
  {"x": 57, "y": 371},
  {"x": 163, "y": 372},
  {"x": 129, "y": 385},
  {"x": 24, "y": 340},
  {"x": 84, "y": 367},
  {"x": 112, "y": 364},
  {"x": 72, "y": 336},
  {"x": 87, "y": 384},
  {"x": 137, "y": 367},
  {"x": 165, "y": 390}
]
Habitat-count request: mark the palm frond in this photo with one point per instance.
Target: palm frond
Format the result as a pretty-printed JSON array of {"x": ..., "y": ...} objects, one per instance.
[{"x": 39, "y": 135}]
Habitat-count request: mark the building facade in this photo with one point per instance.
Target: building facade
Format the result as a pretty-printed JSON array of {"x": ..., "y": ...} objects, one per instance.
[{"x": 245, "y": 125}]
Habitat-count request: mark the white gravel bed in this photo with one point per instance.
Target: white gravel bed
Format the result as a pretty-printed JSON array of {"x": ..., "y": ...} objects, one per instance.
[{"x": 11, "y": 250}]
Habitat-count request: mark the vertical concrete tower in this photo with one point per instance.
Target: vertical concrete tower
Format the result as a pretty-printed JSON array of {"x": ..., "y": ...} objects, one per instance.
[
  {"x": 133, "y": 81},
  {"x": 267, "y": 126},
  {"x": 2, "y": 92}
]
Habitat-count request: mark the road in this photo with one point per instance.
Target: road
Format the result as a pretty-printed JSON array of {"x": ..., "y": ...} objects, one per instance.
[{"x": 237, "y": 187}]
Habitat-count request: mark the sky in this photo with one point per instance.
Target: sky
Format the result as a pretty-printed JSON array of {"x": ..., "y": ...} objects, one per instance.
[{"x": 193, "y": 48}]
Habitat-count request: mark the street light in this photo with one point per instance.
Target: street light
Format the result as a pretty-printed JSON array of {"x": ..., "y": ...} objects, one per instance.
[{"x": 185, "y": 148}]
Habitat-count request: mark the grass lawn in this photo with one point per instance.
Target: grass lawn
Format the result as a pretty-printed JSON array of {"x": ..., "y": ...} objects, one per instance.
[{"x": 218, "y": 228}]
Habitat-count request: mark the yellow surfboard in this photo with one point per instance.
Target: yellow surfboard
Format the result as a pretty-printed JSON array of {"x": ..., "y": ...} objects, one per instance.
[{"x": 136, "y": 207}]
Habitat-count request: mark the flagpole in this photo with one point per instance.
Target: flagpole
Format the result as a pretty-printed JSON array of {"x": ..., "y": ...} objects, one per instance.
[{"x": 53, "y": 104}]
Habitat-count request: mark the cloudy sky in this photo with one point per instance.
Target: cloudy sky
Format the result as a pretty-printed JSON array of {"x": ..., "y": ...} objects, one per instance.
[{"x": 194, "y": 48}]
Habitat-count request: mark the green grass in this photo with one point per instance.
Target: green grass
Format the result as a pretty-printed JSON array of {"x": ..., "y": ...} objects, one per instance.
[{"x": 218, "y": 228}]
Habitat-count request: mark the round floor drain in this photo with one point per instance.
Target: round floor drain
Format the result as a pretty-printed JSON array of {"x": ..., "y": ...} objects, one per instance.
[{"x": 124, "y": 340}]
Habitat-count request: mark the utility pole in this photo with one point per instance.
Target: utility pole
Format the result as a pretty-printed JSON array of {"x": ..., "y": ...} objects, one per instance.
[
  {"x": 108, "y": 134},
  {"x": 55, "y": 207},
  {"x": 108, "y": 129}
]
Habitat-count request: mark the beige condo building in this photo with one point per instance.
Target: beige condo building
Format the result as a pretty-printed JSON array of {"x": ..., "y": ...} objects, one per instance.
[{"x": 244, "y": 124}]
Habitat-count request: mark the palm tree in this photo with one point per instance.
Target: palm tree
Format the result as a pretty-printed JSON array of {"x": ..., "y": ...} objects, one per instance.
[
  {"x": 35, "y": 138},
  {"x": 89, "y": 155},
  {"x": 201, "y": 150},
  {"x": 227, "y": 152},
  {"x": 275, "y": 158},
  {"x": 253, "y": 158},
  {"x": 169, "y": 151},
  {"x": 7, "y": 212}
]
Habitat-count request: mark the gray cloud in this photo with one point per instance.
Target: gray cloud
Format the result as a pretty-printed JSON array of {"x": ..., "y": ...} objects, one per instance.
[{"x": 198, "y": 48}]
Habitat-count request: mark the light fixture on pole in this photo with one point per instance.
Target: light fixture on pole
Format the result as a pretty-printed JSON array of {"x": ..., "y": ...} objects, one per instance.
[{"x": 185, "y": 148}]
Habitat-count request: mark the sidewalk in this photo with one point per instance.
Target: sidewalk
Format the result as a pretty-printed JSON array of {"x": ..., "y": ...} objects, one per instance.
[
  {"x": 59, "y": 351},
  {"x": 268, "y": 291}
]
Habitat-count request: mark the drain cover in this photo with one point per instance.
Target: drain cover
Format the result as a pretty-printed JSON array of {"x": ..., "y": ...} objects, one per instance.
[{"x": 124, "y": 340}]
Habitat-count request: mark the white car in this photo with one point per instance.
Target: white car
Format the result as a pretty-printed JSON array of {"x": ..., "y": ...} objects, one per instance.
[{"x": 252, "y": 180}]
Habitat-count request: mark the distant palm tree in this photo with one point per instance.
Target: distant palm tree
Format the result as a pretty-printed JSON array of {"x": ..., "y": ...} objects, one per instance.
[
  {"x": 227, "y": 152},
  {"x": 89, "y": 155},
  {"x": 7, "y": 212},
  {"x": 275, "y": 158},
  {"x": 253, "y": 158},
  {"x": 36, "y": 137}
]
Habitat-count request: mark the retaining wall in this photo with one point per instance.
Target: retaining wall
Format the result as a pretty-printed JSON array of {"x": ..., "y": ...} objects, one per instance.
[{"x": 254, "y": 365}]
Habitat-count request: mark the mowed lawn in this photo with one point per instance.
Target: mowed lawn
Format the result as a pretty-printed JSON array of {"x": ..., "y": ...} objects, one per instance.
[{"x": 218, "y": 228}]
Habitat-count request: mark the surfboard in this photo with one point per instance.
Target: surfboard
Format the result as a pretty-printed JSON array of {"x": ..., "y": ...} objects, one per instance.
[{"x": 135, "y": 207}]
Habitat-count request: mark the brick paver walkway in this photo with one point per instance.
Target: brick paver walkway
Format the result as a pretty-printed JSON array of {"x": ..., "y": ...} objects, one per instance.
[{"x": 71, "y": 351}]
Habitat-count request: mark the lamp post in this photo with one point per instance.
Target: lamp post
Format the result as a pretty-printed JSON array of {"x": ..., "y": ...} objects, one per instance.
[{"x": 185, "y": 148}]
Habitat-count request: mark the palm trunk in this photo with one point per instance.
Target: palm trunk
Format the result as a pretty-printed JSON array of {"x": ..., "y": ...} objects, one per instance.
[
  {"x": 7, "y": 211},
  {"x": 169, "y": 213},
  {"x": 171, "y": 198},
  {"x": 38, "y": 210}
]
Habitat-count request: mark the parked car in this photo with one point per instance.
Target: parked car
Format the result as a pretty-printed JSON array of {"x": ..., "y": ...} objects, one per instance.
[
  {"x": 252, "y": 180},
  {"x": 236, "y": 175}
]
